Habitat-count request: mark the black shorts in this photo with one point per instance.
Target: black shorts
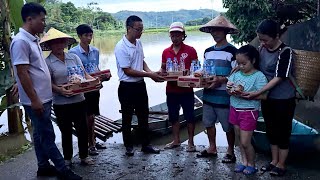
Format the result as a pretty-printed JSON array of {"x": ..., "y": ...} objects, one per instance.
[
  {"x": 92, "y": 102},
  {"x": 177, "y": 100}
]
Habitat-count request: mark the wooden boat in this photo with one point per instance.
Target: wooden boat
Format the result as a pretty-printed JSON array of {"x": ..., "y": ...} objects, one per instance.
[
  {"x": 158, "y": 116},
  {"x": 304, "y": 139}
]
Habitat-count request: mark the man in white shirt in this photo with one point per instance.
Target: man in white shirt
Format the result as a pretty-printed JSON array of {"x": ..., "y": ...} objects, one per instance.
[{"x": 132, "y": 91}]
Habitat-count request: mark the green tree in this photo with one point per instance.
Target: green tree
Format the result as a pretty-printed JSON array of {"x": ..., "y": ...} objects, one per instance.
[{"x": 246, "y": 15}]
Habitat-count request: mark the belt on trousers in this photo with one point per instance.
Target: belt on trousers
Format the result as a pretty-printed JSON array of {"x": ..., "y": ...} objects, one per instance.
[{"x": 137, "y": 82}]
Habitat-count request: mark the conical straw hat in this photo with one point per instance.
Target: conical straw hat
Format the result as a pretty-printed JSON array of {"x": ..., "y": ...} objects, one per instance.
[
  {"x": 219, "y": 22},
  {"x": 54, "y": 34}
]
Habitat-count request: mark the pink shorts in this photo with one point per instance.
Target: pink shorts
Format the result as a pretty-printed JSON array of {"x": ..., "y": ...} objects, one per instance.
[{"x": 246, "y": 119}]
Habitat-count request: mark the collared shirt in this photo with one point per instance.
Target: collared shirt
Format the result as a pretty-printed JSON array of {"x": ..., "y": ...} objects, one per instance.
[
  {"x": 91, "y": 57},
  {"x": 131, "y": 56},
  {"x": 223, "y": 59},
  {"x": 59, "y": 76},
  {"x": 25, "y": 50},
  {"x": 185, "y": 52}
]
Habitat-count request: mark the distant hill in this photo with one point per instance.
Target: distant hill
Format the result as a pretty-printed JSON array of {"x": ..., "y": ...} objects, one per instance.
[{"x": 164, "y": 19}]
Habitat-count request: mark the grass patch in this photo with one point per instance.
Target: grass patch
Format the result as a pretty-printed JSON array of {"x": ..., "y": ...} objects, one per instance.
[{"x": 14, "y": 152}]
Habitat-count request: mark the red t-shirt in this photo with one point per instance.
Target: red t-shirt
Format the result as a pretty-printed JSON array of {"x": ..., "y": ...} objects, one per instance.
[{"x": 186, "y": 52}]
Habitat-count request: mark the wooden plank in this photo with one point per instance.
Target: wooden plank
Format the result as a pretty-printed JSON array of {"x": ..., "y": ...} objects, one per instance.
[
  {"x": 116, "y": 127},
  {"x": 105, "y": 119},
  {"x": 153, "y": 112},
  {"x": 109, "y": 127},
  {"x": 103, "y": 127}
]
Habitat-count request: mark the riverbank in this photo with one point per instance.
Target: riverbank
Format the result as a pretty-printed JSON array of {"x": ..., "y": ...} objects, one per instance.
[
  {"x": 98, "y": 33},
  {"x": 169, "y": 164}
]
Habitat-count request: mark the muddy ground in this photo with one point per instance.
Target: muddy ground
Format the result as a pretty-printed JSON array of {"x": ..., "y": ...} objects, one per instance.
[{"x": 169, "y": 164}]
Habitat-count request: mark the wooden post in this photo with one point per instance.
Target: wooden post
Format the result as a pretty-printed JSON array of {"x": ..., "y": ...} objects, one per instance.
[{"x": 14, "y": 115}]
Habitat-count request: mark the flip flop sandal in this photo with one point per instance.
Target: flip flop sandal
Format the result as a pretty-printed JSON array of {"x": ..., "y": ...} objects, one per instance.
[
  {"x": 191, "y": 149},
  {"x": 205, "y": 154},
  {"x": 171, "y": 146},
  {"x": 229, "y": 159},
  {"x": 277, "y": 171},
  {"x": 249, "y": 170},
  {"x": 267, "y": 167},
  {"x": 239, "y": 168}
]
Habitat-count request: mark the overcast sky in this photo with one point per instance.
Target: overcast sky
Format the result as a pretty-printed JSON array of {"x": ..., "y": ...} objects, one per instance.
[{"x": 113, "y": 6}]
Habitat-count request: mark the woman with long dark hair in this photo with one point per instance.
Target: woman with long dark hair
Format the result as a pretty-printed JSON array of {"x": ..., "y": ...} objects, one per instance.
[{"x": 278, "y": 110}]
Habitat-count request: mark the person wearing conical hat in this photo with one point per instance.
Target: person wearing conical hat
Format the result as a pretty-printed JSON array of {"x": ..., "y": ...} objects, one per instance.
[
  {"x": 179, "y": 96},
  {"x": 89, "y": 56},
  {"x": 216, "y": 100},
  {"x": 69, "y": 109},
  {"x": 34, "y": 88}
]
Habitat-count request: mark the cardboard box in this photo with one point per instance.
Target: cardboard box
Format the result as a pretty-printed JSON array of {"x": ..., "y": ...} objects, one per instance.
[
  {"x": 172, "y": 76},
  {"x": 87, "y": 86},
  {"x": 100, "y": 73},
  {"x": 195, "y": 82}
]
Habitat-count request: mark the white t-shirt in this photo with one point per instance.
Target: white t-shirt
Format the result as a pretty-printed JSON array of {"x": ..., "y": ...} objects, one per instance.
[
  {"x": 25, "y": 49},
  {"x": 131, "y": 56}
]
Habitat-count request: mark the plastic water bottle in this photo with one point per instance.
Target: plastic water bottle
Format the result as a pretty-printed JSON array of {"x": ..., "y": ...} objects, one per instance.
[
  {"x": 169, "y": 65},
  {"x": 182, "y": 64},
  {"x": 69, "y": 71},
  {"x": 80, "y": 71},
  {"x": 95, "y": 67},
  {"x": 212, "y": 69},
  {"x": 198, "y": 65},
  {"x": 86, "y": 68},
  {"x": 206, "y": 69},
  {"x": 175, "y": 64},
  {"x": 192, "y": 67}
]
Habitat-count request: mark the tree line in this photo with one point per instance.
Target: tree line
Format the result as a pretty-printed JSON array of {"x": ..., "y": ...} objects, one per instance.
[{"x": 66, "y": 17}]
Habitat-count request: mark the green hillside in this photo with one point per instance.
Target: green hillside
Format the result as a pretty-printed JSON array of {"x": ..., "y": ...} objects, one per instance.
[{"x": 164, "y": 19}]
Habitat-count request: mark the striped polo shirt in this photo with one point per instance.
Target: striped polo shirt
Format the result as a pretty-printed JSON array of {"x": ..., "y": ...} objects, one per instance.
[{"x": 224, "y": 60}]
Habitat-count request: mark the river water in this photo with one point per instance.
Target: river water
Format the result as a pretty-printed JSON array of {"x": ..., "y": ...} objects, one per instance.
[{"x": 153, "y": 45}]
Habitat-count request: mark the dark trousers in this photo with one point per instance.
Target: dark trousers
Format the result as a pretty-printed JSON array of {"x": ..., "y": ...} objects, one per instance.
[
  {"x": 133, "y": 97},
  {"x": 44, "y": 137},
  {"x": 68, "y": 115},
  {"x": 278, "y": 115}
]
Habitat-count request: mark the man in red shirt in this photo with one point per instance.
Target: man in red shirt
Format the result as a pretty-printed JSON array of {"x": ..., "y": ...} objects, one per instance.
[{"x": 179, "y": 96}]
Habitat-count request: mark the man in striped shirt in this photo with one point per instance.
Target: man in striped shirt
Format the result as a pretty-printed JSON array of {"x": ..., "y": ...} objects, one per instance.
[{"x": 216, "y": 100}]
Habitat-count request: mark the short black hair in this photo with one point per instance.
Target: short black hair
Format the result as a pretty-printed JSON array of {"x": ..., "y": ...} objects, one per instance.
[
  {"x": 269, "y": 27},
  {"x": 83, "y": 29},
  {"x": 31, "y": 9},
  {"x": 131, "y": 19},
  {"x": 252, "y": 53}
]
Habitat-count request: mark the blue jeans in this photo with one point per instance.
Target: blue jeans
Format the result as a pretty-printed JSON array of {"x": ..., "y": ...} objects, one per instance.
[{"x": 44, "y": 137}]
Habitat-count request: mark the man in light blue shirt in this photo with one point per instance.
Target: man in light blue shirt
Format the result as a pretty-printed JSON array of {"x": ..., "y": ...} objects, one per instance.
[{"x": 89, "y": 55}]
